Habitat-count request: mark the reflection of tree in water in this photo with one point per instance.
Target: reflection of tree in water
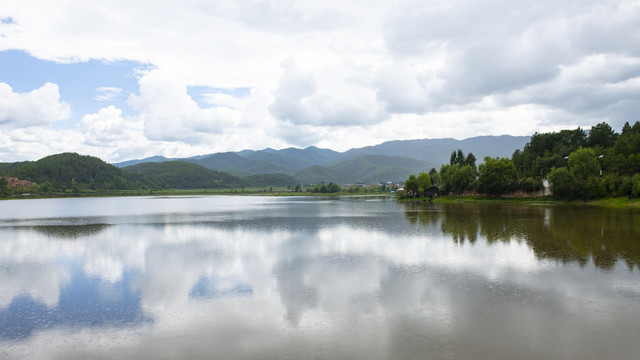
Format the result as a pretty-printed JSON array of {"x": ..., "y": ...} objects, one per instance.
[
  {"x": 603, "y": 235},
  {"x": 70, "y": 231},
  {"x": 566, "y": 234},
  {"x": 426, "y": 214},
  {"x": 460, "y": 224}
]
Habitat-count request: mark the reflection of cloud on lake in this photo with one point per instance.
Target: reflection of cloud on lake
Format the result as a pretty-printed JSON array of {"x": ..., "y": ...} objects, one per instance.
[
  {"x": 430, "y": 251},
  {"x": 41, "y": 282},
  {"x": 82, "y": 302},
  {"x": 214, "y": 287},
  {"x": 337, "y": 287}
]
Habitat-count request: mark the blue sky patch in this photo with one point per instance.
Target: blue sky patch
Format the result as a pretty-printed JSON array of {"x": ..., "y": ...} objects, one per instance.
[{"x": 85, "y": 86}]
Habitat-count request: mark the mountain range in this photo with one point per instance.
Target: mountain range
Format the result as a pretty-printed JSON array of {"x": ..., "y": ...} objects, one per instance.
[{"x": 389, "y": 161}]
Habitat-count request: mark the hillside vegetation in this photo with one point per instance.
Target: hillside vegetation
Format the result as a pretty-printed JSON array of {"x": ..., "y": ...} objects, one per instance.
[
  {"x": 317, "y": 174},
  {"x": 237, "y": 165},
  {"x": 73, "y": 172},
  {"x": 184, "y": 175},
  {"x": 368, "y": 168},
  {"x": 264, "y": 180}
]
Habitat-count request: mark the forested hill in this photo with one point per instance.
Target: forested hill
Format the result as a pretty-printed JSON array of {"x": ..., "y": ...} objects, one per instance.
[
  {"x": 73, "y": 171},
  {"x": 184, "y": 175}
]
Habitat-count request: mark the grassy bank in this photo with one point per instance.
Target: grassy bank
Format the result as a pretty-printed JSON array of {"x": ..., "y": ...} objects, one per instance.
[{"x": 622, "y": 202}]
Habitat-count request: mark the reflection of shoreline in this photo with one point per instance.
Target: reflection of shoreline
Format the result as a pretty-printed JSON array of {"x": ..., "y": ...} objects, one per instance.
[
  {"x": 70, "y": 231},
  {"x": 565, "y": 234}
]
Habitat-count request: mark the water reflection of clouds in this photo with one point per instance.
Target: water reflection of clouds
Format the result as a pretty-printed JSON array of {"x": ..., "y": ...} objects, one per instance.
[
  {"x": 81, "y": 302},
  {"x": 213, "y": 287},
  {"x": 431, "y": 251},
  {"x": 40, "y": 282},
  {"x": 173, "y": 260},
  {"x": 335, "y": 290}
]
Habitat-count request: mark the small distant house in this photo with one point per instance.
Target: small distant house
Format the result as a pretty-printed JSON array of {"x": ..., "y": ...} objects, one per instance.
[{"x": 547, "y": 187}]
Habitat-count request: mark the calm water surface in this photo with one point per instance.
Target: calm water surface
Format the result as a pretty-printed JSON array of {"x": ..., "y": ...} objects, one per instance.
[{"x": 315, "y": 278}]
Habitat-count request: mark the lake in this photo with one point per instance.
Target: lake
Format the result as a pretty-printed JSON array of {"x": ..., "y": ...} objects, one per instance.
[{"x": 251, "y": 277}]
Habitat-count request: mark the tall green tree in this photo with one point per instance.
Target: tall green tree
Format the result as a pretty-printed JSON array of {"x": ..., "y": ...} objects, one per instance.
[
  {"x": 411, "y": 186},
  {"x": 435, "y": 177},
  {"x": 424, "y": 182},
  {"x": 624, "y": 159},
  {"x": 601, "y": 135},
  {"x": 456, "y": 178},
  {"x": 471, "y": 161},
  {"x": 562, "y": 183},
  {"x": 584, "y": 167},
  {"x": 497, "y": 176},
  {"x": 583, "y": 164},
  {"x": 457, "y": 157}
]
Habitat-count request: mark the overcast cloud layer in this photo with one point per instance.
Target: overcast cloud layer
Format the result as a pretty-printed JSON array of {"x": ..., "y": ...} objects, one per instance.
[{"x": 336, "y": 74}]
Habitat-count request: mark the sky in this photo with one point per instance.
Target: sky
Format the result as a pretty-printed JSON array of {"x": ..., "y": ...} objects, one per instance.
[{"x": 125, "y": 80}]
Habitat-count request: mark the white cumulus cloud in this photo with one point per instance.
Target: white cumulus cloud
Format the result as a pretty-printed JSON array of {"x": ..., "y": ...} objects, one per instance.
[
  {"x": 336, "y": 74},
  {"x": 333, "y": 96},
  {"x": 38, "y": 107},
  {"x": 106, "y": 127},
  {"x": 170, "y": 114}
]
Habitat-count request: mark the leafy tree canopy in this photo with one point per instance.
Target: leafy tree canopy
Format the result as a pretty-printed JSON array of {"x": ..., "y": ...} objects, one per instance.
[{"x": 497, "y": 176}]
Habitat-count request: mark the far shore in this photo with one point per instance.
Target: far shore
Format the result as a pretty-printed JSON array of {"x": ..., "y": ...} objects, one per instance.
[{"x": 271, "y": 191}]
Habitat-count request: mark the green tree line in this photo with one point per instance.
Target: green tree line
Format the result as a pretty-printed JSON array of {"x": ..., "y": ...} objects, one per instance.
[
  {"x": 324, "y": 189},
  {"x": 578, "y": 164}
]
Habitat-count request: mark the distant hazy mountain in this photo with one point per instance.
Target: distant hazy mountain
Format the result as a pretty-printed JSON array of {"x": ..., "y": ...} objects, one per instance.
[
  {"x": 239, "y": 165},
  {"x": 152, "y": 159},
  {"x": 264, "y": 180},
  {"x": 317, "y": 173},
  {"x": 369, "y": 168},
  {"x": 292, "y": 158},
  {"x": 438, "y": 151},
  {"x": 389, "y": 161}
]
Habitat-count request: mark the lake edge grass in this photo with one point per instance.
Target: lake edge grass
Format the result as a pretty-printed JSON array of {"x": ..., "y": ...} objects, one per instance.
[{"x": 617, "y": 202}]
